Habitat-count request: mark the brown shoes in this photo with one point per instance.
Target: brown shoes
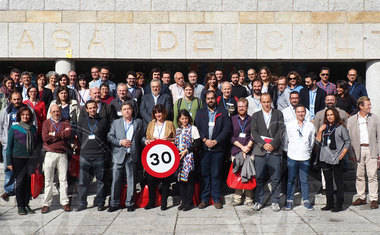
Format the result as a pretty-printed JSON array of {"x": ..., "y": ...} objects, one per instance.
[
  {"x": 67, "y": 208},
  {"x": 45, "y": 209},
  {"x": 359, "y": 202},
  {"x": 374, "y": 205},
  {"x": 218, "y": 205},
  {"x": 5, "y": 197},
  {"x": 202, "y": 205}
]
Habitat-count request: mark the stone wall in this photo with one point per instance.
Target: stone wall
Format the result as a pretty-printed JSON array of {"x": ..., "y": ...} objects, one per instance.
[{"x": 190, "y": 29}]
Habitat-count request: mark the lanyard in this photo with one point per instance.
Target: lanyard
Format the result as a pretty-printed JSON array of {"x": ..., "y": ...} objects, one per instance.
[
  {"x": 93, "y": 127},
  {"x": 160, "y": 130},
  {"x": 256, "y": 102},
  {"x": 55, "y": 126},
  {"x": 300, "y": 130},
  {"x": 126, "y": 127},
  {"x": 242, "y": 128},
  {"x": 211, "y": 116}
]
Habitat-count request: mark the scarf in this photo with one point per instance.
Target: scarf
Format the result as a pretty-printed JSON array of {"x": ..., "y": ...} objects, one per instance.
[
  {"x": 183, "y": 141},
  {"x": 329, "y": 137},
  {"x": 29, "y": 136}
]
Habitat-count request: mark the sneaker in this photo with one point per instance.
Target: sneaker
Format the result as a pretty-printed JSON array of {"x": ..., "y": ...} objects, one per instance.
[
  {"x": 289, "y": 206},
  {"x": 248, "y": 202},
  {"x": 237, "y": 202},
  {"x": 257, "y": 206},
  {"x": 275, "y": 207},
  {"x": 308, "y": 205}
]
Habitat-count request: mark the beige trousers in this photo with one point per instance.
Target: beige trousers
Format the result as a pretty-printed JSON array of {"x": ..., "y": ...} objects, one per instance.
[
  {"x": 368, "y": 164},
  {"x": 51, "y": 162}
]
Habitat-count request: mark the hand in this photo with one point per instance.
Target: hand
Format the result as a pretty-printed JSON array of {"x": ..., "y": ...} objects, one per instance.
[
  {"x": 214, "y": 142},
  {"x": 125, "y": 143},
  {"x": 244, "y": 155},
  {"x": 245, "y": 149},
  {"x": 52, "y": 133},
  {"x": 322, "y": 128},
  {"x": 341, "y": 157},
  {"x": 10, "y": 167},
  {"x": 183, "y": 153},
  {"x": 208, "y": 143},
  {"x": 268, "y": 147},
  {"x": 147, "y": 142}
]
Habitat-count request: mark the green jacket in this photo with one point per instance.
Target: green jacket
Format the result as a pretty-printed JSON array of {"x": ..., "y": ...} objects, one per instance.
[{"x": 192, "y": 107}]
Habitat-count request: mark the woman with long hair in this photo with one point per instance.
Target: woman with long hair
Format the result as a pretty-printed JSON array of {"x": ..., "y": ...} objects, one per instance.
[
  {"x": 37, "y": 105},
  {"x": 70, "y": 109},
  {"x": 335, "y": 141},
  {"x": 343, "y": 98},
  {"x": 159, "y": 128},
  {"x": 294, "y": 81},
  {"x": 8, "y": 86},
  {"x": 82, "y": 88},
  {"x": 211, "y": 84},
  {"x": 44, "y": 93}
]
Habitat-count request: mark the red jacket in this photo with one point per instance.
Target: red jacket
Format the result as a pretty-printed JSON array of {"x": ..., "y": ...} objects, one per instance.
[{"x": 40, "y": 111}]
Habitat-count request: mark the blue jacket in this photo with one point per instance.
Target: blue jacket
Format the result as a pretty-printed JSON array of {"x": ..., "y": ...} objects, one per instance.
[
  {"x": 357, "y": 90},
  {"x": 222, "y": 128}
]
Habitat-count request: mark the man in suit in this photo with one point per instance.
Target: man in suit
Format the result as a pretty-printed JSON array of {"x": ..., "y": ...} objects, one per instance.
[
  {"x": 126, "y": 136},
  {"x": 135, "y": 92},
  {"x": 364, "y": 130},
  {"x": 267, "y": 132},
  {"x": 148, "y": 101},
  {"x": 312, "y": 97},
  {"x": 122, "y": 96},
  {"x": 214, "y": 135}
]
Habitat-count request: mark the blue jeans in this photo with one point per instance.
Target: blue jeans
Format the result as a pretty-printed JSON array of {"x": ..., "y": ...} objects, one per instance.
[
  {"x": 211, "y": 168},
  {"x": 300, "y": 168},
  {"x": 9, "y": 180},
  {"x": 269, "y": 164}
]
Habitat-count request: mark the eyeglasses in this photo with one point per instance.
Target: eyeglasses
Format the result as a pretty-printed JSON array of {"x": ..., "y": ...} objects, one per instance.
[
  {"x": 293, "y": 78},
  {"x": 324, "y": 74}
]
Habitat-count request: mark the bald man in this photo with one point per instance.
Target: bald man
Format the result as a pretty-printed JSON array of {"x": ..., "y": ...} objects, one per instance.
[
  {"x": 226, "y": 100},
  {"x": 177, "y": 89}
]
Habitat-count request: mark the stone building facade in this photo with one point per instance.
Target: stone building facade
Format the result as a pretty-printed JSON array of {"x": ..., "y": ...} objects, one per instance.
[{"x": 302, "y": 30}]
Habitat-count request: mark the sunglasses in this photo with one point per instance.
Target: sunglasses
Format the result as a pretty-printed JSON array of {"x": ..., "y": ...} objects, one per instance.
[
  {"x": 324, "y": 74},
  {"x": 292, "y": 78}
]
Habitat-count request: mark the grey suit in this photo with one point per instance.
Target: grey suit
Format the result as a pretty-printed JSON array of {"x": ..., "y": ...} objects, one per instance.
[
  {"x": 147, "y": 104},
  {"x": 123, "y": 160}
]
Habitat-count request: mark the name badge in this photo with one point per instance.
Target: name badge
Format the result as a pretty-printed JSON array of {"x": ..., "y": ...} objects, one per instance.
[
  {"x": 14, "y": 116},
  {"x": 119, "y": 113},
  {"x": 91, "y": 137},
  {"x": 191, "y": 115},
  {"x": 211, "y": 123},
  {"x": 14, "y": 123},
  {"x": 242, "y": 135},
  {"x": 52, "y": 133}
]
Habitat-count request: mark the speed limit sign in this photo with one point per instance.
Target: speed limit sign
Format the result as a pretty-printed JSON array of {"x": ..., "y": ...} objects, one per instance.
[{"x": 160, "y": 158}]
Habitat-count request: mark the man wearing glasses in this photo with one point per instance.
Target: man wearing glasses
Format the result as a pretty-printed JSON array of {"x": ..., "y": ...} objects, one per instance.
[
  {"x": 356, "y": 89},
  {"x": 300, "y": 134},
  {"x": 324, "y": 84}
]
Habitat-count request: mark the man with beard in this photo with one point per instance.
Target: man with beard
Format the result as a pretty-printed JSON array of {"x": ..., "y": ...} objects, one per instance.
[
  {"x": 122, "y": 96},
  {"x": 214, "y": 135},
  {"x": 237, "y": 90},
  {"x": 254, "y": 103},
  {"x": 311, "y": 96},
  {"x": 135, "y": 92}
]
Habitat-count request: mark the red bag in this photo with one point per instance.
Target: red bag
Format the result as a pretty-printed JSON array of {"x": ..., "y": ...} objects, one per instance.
[
  {"x": 142, "y": 198},
  {"x": 234, "y": 181},
  {"x": 196, "y": 195},
  {"x": 36, "y": 183},
  {"x": 74, "y": 166}
]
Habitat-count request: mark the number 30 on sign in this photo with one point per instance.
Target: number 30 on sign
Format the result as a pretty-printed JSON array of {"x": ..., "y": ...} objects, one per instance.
[{"x": 160, "y": 158}]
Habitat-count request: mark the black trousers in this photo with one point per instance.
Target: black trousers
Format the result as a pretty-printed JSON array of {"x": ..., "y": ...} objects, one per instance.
[
  {"x": 22, "y": 168},
  {"x": 86, "y": 165},
  {"x": 153, "y": 183},
  {"x": 186, "y": 190},
  {"x": 330, "y": 173}
]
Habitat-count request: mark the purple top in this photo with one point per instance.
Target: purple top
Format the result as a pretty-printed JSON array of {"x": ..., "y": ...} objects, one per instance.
[{"x": 237, "y": 126}]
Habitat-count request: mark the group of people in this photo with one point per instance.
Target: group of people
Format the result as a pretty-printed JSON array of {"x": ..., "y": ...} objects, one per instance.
[{"x": 268, "y": 126}]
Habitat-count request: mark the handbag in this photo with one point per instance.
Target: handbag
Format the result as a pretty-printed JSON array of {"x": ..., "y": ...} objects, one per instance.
[
  {"x": 74, "y": 166},
  {"x": 36, "y": 183},
  {"x": 142, "y": 198},
  {"x": 234, "y": 181}
]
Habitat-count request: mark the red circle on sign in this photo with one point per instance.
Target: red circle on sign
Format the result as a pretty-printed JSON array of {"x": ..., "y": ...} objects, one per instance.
[{"x": 144, "y": 157}]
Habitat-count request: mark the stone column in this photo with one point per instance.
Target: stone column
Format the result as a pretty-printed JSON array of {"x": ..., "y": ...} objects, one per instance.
[
  {"x": 64, "y": 66},
  {"x": 373, "y": 84}
]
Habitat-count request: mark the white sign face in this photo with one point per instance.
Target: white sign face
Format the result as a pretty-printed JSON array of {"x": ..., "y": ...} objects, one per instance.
[{"x": 160, "y": 158}]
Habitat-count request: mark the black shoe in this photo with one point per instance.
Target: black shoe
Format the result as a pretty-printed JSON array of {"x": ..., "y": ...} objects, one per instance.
[
  {"x": 337, "y": 209},
  {"x": 180, "y": 207},
  {"x": 113, "y": 208},
  {"x": 187, "y": 208},
  {"x": 149, "y": 206},
  {"x": 81, "y": 208},
  {"x": 5, "y": 197},
  {"x": 130, "y": 208},
  {"x": 21, "y": 211},
  {"x": 29, "y": 210},
  {"x": 327, "y": 208},
  {"x": 164, "y": 207},
  {"x": 101, "y": 208}
]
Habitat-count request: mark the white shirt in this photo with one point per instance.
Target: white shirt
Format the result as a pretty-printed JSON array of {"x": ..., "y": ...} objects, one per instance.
[
  {"x": 363, "y": 129},
  {"x": 159, "y": 131},
  {"x": 290, "y": 114},
  {"x": 128, "y": 129},
  {"x": 177, "y": 92},
  {"x": 155, "y": 98},
  {"x": 267, "y": 117},
  {"x": 254, "y": 105},
  {"x": 300, "y": 140},
  {"x": 84, "y": 96}
]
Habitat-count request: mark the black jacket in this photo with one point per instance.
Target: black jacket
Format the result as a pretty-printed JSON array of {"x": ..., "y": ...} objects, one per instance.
[
  {"x": 319, "y": 99},
  {"x": 47, "y": 97},
  {"x": 93, "y": 148},
  {"x": 222, "y": 128},
  {"x": 239, "y": 91}
]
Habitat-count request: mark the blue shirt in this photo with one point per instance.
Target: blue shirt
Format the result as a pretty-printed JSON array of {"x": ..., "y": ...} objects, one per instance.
[{"x": 357, "y": 90}]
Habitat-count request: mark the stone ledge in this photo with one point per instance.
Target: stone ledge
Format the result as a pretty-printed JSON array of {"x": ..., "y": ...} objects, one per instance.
[
  {"x": 186, "y": 17},
  {"x": 114, "y": 17},
  {"x": 151, "y": 17},
  {"x": 12, "y": 16},
  {"x": 43, "y": 16},
  {"x": 363, "y": 17},
  {"x": 78, "y": 16}
]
